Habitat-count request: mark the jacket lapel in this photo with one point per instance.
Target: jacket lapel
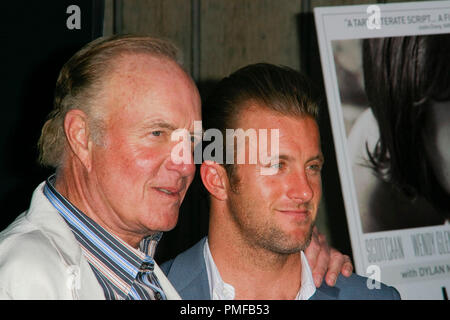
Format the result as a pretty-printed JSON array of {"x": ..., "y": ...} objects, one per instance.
[
  {"x": 188, "y": 274},
  {"x": 167, "y": 287},
  {"x": 45, "y": 217}
]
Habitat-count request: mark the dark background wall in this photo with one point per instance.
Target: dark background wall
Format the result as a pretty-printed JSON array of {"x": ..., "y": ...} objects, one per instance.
[
  {"x": 35, "y": 43},
  {"x": 216, "y": 37}
]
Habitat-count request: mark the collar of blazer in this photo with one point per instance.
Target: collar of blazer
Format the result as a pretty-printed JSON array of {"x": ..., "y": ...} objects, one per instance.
[{"x": 188, "y": 274}]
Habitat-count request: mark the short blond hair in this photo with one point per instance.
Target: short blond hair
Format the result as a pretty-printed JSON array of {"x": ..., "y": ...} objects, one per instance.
[{"x": 80, "y": 82}]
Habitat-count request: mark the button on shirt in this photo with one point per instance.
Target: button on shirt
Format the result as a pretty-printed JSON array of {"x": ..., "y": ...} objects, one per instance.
[
  {"x": 124, "y": 273},
  {"x": 220, "y": 290}
]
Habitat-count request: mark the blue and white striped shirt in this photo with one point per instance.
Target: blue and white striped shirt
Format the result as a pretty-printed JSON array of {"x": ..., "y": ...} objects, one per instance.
[{"x": 124, "y": 273}]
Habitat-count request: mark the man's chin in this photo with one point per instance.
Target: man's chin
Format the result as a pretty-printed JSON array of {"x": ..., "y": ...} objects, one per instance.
[
  {"x": 298, "y": 242},
  {"x": 296, "y": 246},
  {"x": 290, "y": 244},
  {"x": 169, "y": 225},
  {"x": 167, "y": 222}
]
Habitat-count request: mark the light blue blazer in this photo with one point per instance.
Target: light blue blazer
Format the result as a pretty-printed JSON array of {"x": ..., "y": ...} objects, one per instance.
[{"x": 187, "y": 273}]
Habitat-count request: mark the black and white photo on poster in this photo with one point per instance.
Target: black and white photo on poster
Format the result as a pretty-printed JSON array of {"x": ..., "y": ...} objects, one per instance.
[{"x": 387, "y": 80}]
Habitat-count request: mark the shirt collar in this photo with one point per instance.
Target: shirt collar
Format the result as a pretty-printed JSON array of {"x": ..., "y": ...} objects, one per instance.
[
  {"x": 115, "y": 259},
  {"x": 219, "y": 290},
  {"x": 308, "y": 287}
]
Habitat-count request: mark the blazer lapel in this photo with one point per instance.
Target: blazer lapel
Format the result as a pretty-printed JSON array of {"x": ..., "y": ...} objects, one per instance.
[
  {"x": 188, "y": 274},
  {"x": 46, "y": 218}
]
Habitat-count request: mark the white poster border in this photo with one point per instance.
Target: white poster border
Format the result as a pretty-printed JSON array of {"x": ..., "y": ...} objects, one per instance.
[{"x": 344, "y": 23}]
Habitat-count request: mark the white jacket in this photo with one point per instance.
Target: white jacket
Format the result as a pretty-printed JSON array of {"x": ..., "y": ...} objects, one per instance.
[{"x": 40, "y": 258}]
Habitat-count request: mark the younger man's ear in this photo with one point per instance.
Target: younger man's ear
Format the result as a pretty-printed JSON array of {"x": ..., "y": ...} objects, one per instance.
[
  {"x": 77, "y": 133},
  {"x": 214, "y": 179}
]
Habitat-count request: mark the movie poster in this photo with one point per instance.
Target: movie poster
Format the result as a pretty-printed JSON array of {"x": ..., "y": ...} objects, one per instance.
[{"x": 387, "y": 82}]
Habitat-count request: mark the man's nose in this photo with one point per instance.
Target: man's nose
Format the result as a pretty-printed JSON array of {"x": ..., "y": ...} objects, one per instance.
[
  {"x": 185, "y": 167},
  {"x": 300, "y": 188}
]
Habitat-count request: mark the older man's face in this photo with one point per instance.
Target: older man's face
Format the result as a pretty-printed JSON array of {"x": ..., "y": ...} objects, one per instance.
[{"x": 139, "y": 185}]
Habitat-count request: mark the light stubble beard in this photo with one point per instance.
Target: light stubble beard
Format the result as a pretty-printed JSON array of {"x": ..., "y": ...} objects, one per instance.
[
  {"x": 278, "y": 242},
  {"x": 266, "y": 235}
]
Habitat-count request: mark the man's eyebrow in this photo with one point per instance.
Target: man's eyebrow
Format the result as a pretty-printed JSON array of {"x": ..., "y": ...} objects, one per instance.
[
  {"x": 318, "y": 157},
  {"x": 161, "y": 124},
  {"x": 285, "y": 157},
  {"x": 288, "y": 158}
]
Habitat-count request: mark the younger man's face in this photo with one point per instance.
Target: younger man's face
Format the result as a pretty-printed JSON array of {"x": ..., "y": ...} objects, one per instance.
[{"x": 277, "y": 212}]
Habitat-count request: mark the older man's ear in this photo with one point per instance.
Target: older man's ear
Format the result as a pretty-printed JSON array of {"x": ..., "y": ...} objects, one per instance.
[{"x": 77, "y": 132}]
